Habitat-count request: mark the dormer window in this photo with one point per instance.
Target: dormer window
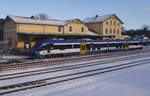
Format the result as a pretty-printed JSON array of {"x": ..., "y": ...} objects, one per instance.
[
  {"x": 59, "y": 28},
  {"x": 106, "y": 23},
  {"x": 96, "y": 16},
  {"x": 82, "y": 29}
]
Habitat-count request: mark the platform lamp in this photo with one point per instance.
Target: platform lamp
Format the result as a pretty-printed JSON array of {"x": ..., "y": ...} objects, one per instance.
[{"x": 30, "y": 39}]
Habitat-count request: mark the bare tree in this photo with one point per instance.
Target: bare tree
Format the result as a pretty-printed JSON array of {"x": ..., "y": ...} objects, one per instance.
[
  {"x": 146, "y": 27},
  {"x": 41, "y": 16},
  {"x": 1, "y": 28}
]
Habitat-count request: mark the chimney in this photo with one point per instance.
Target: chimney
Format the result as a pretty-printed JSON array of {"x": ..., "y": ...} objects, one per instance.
[
  {"x": 32, "y": 17},
  {"x": 96, "y": 16}
]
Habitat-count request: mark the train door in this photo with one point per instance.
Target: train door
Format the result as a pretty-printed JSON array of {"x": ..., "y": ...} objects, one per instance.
[
  {"x": 126, "y": 46},
  {"x": 83, "y": 48}
]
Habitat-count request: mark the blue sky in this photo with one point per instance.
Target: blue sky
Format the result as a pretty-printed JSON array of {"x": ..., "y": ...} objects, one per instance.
[{"x": 134, "y": 13}]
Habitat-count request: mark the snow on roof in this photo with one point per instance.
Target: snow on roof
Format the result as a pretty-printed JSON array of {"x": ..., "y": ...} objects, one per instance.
[
  {"x": 69, "y": 21},
  {"x": 28, "y": 20},
  {"x": 92, "y": 33},
  {"x": 98, "y": 18}
]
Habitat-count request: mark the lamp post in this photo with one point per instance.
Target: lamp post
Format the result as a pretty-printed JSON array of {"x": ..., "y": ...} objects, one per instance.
[
  {"x": 30, "y": 39},
  {"x": 2, "y": 50}
]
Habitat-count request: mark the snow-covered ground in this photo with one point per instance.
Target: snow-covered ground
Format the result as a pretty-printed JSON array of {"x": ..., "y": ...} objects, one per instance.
[
  {"x": 133, "y": 81},
  {"x": 128, "y": 82}
]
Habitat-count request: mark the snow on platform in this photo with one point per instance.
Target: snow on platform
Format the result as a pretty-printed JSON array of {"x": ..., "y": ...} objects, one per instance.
[
  {"x": 13, "y": 57},
  {"x": 48, "y": 75}
]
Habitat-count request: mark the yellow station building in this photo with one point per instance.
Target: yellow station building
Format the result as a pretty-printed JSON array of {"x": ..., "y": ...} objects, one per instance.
[
  {"x": 17, "y": 28},
  {"x": 105, "y": 25}
]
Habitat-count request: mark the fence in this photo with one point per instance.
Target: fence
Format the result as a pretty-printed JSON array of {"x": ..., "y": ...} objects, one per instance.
[{"x": 5, "y": 49}]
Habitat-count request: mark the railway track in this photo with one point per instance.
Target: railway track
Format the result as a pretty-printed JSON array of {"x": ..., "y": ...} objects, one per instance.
[
  {"x": 73, "y": 76},
  {"x": 67, "y": 77},
  {"x": 66, "y": 60},
  {"x": 67, "y": 67}
]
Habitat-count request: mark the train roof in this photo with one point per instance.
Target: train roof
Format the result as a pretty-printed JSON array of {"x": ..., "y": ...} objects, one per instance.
[{"x": 82, "y": 41}]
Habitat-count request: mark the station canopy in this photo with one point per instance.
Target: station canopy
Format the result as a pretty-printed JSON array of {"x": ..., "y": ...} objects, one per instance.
[{"x": 48, "y": 36}]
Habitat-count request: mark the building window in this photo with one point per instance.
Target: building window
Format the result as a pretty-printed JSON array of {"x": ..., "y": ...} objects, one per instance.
[
  {"x": 106, "y": 23},
  {"x": 114, "y": 22},
  {"x": 59, "y": 28},
  {"x": 106, "y": 31},
  {"x": 118, "y": 31},
  {"x": 110, "y": 31},
  {"x": 118, "y": 24},
  {"x": 114, "y": 31},
  {"x": 70, "y": 28},
  {"x": 82, "y": 29}
]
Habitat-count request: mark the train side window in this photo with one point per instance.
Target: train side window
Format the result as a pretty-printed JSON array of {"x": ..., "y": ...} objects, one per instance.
[
  {"x": 124, "y": 46},
  {"x": 62, "y": 47},
  {"x": 93, "y": 48},
  {"x": 76, "y": 46},
  {"x": 48, "y": 51},
  {"x": 98, "y": 48}
]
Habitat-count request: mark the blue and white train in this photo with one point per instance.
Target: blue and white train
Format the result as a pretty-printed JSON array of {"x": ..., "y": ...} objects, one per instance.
[{"x": 49, "y": 47}]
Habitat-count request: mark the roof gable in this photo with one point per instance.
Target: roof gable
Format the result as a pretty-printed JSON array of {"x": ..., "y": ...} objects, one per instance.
[
  {"x": 75, "y": 21},
  {"x": 99, "y": 18}
]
